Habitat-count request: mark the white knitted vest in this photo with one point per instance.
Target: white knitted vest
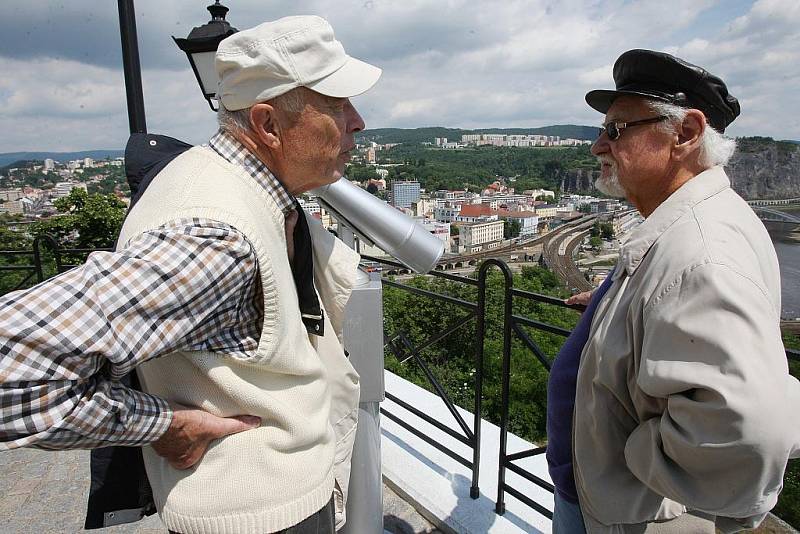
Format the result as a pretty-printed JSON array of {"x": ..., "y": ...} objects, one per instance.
[{"x": 304, "y": 390}]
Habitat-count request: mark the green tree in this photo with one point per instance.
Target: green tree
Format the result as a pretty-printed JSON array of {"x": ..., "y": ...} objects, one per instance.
[
  {"x": 511, "y": 228},
  {"x": 595, "y": 242},
  {"x": 452, "y": 359},
  {"x": 361, "y": 172},
  {"x": 14, "y": 240},
  {"x": 585, "y": 208},
  {"x": 85, "y": 220}
]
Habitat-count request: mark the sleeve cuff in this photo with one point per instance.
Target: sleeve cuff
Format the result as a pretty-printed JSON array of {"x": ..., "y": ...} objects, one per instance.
[{"x": 147, "y": 418}]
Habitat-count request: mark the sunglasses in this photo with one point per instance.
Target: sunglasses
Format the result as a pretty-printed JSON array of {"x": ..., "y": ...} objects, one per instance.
[{"x": 614, "y": 129}]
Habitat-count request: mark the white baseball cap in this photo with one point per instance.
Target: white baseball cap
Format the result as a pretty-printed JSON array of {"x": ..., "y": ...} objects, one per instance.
[{"x": 273, "y": 58}]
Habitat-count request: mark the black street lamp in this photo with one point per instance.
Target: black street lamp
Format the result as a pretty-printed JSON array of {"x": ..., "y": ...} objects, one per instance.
[{"x": 201, "y": 45}]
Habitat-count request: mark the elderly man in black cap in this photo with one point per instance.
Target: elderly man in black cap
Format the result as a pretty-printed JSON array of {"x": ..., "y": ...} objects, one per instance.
[{"x": 671, "y": 408}]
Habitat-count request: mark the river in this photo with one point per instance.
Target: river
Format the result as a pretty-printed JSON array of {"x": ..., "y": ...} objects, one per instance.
[{"x": 787, "y": 246}]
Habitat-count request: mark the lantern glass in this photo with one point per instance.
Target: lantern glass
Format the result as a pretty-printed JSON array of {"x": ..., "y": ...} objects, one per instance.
[{"x": 204, "y": 63}]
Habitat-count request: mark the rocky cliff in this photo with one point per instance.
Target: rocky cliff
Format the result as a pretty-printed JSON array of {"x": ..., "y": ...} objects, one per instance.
[
  {"x": 761, "y": 168},
  {"x": 764, "y": 168}
]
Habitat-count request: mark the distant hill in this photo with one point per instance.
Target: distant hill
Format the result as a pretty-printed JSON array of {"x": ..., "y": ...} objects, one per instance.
[
  {"x": 420, "y": 135},
  {"x": 8, "y": 158}
]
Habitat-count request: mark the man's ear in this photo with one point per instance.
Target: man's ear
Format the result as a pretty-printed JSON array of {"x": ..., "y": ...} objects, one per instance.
[
  {"x": 264, "y": 123},
  {"x": 690, "y": 133}
]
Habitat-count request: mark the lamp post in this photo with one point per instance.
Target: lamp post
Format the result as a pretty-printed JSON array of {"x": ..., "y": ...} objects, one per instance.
[
  {"x": 201, "y": 45},
  {"x": 130, "y": 63}
]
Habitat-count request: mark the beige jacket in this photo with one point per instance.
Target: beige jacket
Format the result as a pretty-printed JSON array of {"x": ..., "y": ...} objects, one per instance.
[
  {"x": 684, "y": 400},
  {"x": 303, "y": 387}
]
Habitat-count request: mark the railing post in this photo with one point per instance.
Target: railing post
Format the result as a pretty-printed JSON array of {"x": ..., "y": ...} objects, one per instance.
[
  {"x": 480, "y": 338},
  {"x": 508, "y": 280},
  {"x": 37, "y": 260}
]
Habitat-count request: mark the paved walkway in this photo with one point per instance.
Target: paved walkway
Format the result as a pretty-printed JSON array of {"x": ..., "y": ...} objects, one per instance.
[{"x": 45, "y": 492}]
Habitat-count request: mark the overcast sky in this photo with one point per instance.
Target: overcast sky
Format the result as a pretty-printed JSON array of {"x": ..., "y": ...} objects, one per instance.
[{"x": 455, "y": 63}]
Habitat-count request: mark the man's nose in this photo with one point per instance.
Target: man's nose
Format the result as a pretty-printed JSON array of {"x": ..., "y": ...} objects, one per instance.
[
  {"x": 600, "y": 145},
  {"x": 354, "y": 121}
]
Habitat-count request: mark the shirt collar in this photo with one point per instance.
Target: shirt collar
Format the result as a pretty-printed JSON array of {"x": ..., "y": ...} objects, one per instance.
[
  {"x": 235, "y": 152},
  {"x": 706, "y": 184}
]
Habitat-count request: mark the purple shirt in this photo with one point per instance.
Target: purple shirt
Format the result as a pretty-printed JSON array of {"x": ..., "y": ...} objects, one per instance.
[{"x": 561, "y": 400}]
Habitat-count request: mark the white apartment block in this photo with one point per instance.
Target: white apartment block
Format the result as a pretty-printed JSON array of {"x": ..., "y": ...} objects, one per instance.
[
  {"x": 536, "y": 193},
  {"x": 520, "y": 140},
  {"x": 12, "y": 207},
  {"x": 480, "y": 235},
  {"x": 11, "y": 194},
  {"x": 49, "y": 164},
  {"x": 63, "y": 189},
  {"x": 547, "y": 211},
  {"x": 446, "y": 214},
  {"x": 438, "y": 229}
]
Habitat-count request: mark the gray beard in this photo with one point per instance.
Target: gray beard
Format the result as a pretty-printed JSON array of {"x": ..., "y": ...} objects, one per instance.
[{"x": 610, "y": 185}]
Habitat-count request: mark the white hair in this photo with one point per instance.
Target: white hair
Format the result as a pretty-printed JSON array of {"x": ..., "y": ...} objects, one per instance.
[
  {"x": 715, "y": 148},
  {"x": 231, "y": 122}
]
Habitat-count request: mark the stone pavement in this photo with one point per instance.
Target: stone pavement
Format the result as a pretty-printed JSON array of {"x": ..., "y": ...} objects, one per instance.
[{"x": 45, "y": 492}]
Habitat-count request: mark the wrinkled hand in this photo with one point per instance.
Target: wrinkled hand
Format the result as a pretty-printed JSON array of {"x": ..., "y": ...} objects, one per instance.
[
  {"x": 581, "y": 299},
  {"x": 190, "y": 432},
  {"x": 291, "y": 222}
]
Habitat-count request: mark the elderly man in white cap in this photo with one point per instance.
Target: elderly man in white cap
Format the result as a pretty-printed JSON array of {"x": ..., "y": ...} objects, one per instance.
[{"x": 225, "y": 299}]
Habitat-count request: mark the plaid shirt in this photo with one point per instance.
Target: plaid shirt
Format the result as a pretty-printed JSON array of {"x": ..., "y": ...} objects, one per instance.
[{"x": 191, "y": 284}]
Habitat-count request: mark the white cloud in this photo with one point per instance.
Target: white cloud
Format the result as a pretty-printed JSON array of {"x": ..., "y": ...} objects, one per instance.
[{"x": 454, "y": 63}]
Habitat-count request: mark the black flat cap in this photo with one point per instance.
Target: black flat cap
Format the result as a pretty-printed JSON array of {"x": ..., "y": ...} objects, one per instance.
[{"x": 660, "y": 76}]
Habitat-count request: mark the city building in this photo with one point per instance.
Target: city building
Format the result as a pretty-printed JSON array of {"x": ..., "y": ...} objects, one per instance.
[
  {"x": 528, "y": 221},
  {"x": 476, "y": 212},
  {"x": 446, "y": 214},
  {"x": 479, "y": 236},
  {"x": 518, "y": 140},
  {"x": 63, "y": 189},
  {"x": 10, "y": 194},
  {"x": 546, "y": 211},
  {"x": 404, "y": 194},
  {"x": 438, "y": 229},
  {"x": 424, "y": 207}
]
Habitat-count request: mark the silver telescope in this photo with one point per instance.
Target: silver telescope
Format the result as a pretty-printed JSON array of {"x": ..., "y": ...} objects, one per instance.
[{"x": 378, "y": 223}]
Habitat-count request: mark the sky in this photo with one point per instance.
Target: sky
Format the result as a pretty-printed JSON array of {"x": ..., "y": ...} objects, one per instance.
[{"x": 453, "y": 63}]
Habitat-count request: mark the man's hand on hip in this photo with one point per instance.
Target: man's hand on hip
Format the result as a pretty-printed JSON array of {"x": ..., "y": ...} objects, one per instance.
[{"x": 190, "y": 432}]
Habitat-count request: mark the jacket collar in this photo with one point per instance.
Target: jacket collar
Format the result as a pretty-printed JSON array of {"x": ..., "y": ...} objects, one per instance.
[{"x": 706, "y": 184}]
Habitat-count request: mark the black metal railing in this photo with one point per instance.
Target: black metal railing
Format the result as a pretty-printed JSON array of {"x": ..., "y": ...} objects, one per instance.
[
  {"x": 404, "y": 349},
  {"x": 47, "y": 258},
  {"x": 512, "y": 325}
]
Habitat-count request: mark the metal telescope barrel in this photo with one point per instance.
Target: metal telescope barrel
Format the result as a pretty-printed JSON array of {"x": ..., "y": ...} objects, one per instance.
[{"x": 372, "y": 219}]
